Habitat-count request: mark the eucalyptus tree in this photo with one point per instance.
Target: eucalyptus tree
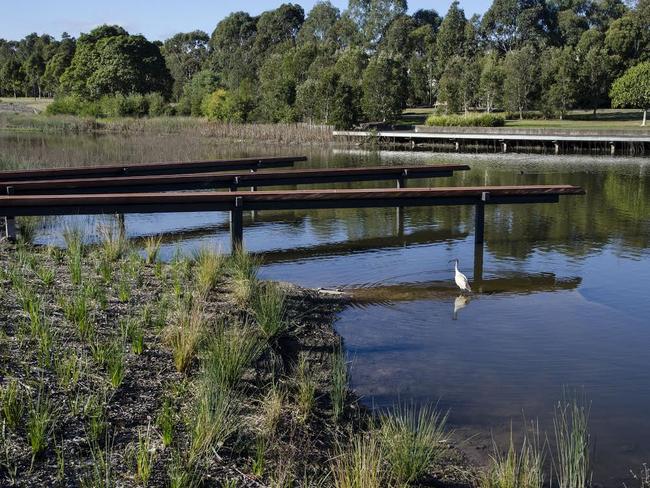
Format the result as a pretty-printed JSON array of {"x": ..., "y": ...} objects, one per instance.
[
  {"x": 509, "y": 24},
  {"x": 450, "y": 39},
  {"x": 185, "y": 55},
  {"x": 231, "y": 46},
  {"x": 319, "y": 23},
  {"x": 628, "y": 38},
  {"x": 374, "y": 16},
  {"x": 595, "y": 67},
  {"x": 559, "y": 76},
  {"x": 384, "y": 88},
  {"x": 277, "y": 29},
  {"x": 491, "y": 81},
  {"x": 11, "y": 76},
  {"x": 521, "y": 71}
]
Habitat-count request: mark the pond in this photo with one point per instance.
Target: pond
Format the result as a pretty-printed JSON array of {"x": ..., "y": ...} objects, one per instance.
[{"x": 563, "y": 303}]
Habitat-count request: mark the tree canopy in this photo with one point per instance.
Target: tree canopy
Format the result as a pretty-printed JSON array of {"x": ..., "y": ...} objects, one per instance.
[
  {"x": 633, "y": 89},
  {"x": 365, "y": 62}
]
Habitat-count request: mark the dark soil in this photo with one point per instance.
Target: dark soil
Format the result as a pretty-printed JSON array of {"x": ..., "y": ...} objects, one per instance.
[{"x": 297, "y": 454}]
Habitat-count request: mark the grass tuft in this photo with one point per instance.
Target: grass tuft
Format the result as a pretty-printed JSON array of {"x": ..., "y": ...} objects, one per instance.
[
  {"x": 306, "y": 385},
  {"x": 41, "y": 421},
  {"x": 340, "y": 380},
  {"x": 113, "y": 243},
  {"x": 27, "y": 227},
  {"x": 74, "y": 242},
  {"x": 229, "y": 354},
  {"x": 572, "y": 441},
  {"x": 165, "y": 422},
  {"x": 208, "y": 268},
  {"x": 270, "y": 310},
  {"x": 184, "y": 334},
  {"x": 359, "y": 465},
  {"x": 145, "y": 456},
  {"x": 213, "y": 421},
  {"x": 244, "y": 268},
  {"x": 412, "y": 439},
  {"x": 152, "y": 248},
  {"x": 12, "y": 400},
  {"x": 516, "y": 468}
]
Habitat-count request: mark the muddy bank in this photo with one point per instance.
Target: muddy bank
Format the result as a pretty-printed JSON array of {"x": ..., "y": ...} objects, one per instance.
[{"x": 113, "y": 374}]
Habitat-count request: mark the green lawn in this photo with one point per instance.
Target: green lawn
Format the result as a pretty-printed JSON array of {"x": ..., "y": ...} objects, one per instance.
[
  {"x": 24, "y": 104},
  {"x": 576, "y": 119}
]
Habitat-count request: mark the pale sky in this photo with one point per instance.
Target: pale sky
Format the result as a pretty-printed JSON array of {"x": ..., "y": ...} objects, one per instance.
[{"x": 155, "y": 19}]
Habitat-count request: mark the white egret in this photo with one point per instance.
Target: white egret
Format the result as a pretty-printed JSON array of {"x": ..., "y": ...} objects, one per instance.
[{"x": 460, "y": 278}]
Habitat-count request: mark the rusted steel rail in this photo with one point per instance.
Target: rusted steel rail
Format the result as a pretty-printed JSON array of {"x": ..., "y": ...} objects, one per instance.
[
  {"x": 165, "y": 168},
  {"x": 157, "y": 183},
  {"x": 238, "y": 202}
]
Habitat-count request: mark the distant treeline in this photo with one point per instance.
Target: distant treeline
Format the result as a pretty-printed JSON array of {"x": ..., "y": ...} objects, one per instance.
[{"x": 365, "y": 63}]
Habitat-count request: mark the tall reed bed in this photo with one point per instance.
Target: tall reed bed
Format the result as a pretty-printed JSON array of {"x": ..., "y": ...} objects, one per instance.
[{"x": 280, "y": 133}]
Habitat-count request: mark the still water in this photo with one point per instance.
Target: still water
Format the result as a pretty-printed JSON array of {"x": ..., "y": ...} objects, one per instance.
[{"x": 564, "y": 301}]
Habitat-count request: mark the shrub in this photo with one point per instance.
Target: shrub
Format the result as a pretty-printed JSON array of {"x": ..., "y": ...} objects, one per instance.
[
  {"x": 74, "y": 105},
  {"x": 157, "y": 105},
  {"x": 478, "y": 120},
  {"x": 119, "y": 105},
  {"x": 214, "y": 105}
]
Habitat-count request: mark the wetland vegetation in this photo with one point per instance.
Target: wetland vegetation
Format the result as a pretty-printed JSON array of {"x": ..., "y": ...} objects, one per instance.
[{"x": 121, "y": 370}]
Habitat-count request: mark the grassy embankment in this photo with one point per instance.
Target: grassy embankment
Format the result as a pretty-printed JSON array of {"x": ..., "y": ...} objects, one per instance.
[
  {"x": 26, "y": 114},
  {"x": 24, "y": 119},
  {"x": 605, "y": 119},
  {"x": 118, "y": 369}
]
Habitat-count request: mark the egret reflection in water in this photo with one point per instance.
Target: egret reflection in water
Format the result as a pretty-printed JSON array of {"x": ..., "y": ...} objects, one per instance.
[{"x": 460, "y": 303}]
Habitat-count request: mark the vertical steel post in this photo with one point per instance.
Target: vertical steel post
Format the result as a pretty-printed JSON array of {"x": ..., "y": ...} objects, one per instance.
[
  {"x": 237, "y": 225},
  {"x": 401, "y": 183},
  {"x": 478, "y": 267},
  {"x": 10, "y": 221},
  {"x": 479, "y": 221},
  {"x": 253, "y": 188}
]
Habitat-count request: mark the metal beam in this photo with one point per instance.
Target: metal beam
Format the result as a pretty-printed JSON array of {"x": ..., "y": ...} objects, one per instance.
[
  {"x": 233, "y": 181},
  {"x": 122, "y": 170}
]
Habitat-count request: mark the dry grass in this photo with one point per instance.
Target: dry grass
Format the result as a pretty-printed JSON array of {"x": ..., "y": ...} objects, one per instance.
[
  {"x": 360, "y": 464},
  {"x": 185, "y": 332}
]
